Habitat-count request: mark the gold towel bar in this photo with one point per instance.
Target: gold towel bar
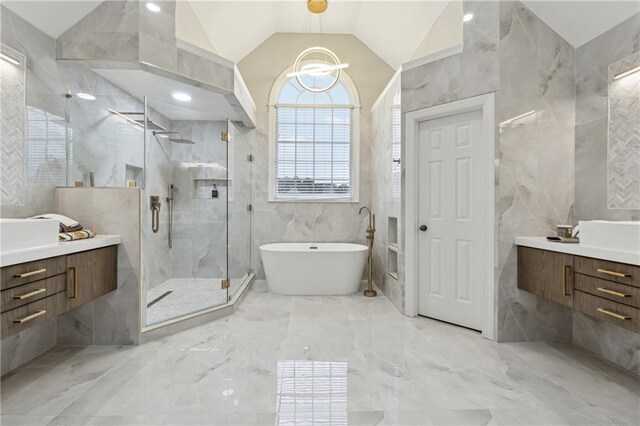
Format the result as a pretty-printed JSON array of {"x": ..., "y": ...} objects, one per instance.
[
  {"x": 615, "y": 274},
  {"x": 613, "y": 293},
  {"x": 613, "y": 314},
  {"x": 30, "y": 317},
  {"x": 29, "y": 274},
  {"x": 30, "y": 294}
]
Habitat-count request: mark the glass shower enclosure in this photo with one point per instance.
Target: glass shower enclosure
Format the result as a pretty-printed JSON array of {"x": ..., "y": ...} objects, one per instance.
[{"x": 196, "y": 204}]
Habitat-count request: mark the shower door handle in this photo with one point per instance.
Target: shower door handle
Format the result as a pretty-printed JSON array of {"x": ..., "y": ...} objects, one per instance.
[{"x": 155, "y": 213}]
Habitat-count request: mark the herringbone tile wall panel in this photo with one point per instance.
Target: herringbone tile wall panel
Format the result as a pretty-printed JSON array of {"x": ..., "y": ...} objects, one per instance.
[
  {"x": 624, "y": 136},
  {"x": 12, "y": 129}
]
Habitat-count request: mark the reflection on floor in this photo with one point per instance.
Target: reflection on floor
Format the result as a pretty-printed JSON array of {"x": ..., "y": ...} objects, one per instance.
[
  {"x": 289, "y": 360},
  {"x": 186, "y": 296}
]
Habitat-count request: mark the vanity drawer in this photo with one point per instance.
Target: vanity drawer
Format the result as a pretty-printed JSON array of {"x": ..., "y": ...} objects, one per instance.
[
  {"x": 24, "y": 294},
  {"x": 606, "y": 310},
  {"x": 613, "y": 271},
  {"x": 16, "y": 320},
  {"x": 23, "y": 273},
  {"x": 620, "y": 293}
]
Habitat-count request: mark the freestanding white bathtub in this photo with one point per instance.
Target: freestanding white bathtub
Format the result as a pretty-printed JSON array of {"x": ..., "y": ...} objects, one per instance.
[{"x": 322, "y": 269}]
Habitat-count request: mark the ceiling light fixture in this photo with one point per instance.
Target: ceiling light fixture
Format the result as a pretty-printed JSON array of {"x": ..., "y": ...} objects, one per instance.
[
  {"x": 317, "y": 70},
  {"x": 467, "y": 17},
  {"x": 9, "y": 59},
  {"x": 626, "y": 73},
  {"x": 86, "y": 96},
  {"x": 182, "y": 97},
  {"x": 153, "y": 7},
  {"x": 317, "y": 6},
  {"x": 317, "y": 62}
]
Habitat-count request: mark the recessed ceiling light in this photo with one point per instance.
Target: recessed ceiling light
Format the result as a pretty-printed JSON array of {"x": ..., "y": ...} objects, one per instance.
[
  {"x": 182, "y": 97},
  {"x": 153, "y": 7},
  {"x": 467, "y": 17},
  {"x": 86, "y": 96}
]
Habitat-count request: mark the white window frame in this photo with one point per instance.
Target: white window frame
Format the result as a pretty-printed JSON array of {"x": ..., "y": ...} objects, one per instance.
[{"x": 351, "y": 89}]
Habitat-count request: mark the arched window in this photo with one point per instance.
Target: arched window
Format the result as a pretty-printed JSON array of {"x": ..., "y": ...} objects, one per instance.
[{"x": 314, "y": 141}]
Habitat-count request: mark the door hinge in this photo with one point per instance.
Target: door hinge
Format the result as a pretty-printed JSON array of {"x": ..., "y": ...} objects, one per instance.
[
  {"x": 224, "y": 136},
  {"x": 224, "y": 284},
  {"x": 250, "y": 158},
  {"x": 249, "y": 207}
]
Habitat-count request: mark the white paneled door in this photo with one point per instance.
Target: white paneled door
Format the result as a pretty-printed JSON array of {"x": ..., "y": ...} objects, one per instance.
[{"x": 450, "y": 213}]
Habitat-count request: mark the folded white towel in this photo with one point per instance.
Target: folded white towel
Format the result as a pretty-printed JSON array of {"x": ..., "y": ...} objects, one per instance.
[{"x": 66, "y": 221}]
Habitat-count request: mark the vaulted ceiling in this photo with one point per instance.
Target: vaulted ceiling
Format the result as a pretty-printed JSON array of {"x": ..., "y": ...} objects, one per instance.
[{"x": 393, "y": 29}]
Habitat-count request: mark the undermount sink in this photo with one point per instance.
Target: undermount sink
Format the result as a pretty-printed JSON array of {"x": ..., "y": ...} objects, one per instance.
[
  {"x": 22, "y": 234},
  {"x": 620, "y": 236}
]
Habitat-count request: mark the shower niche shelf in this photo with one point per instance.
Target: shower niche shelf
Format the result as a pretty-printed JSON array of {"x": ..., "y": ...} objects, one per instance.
[
  {"x": 392, "y": 247},
  {"x": 204, "y": 187},
  {"x": 133, "y": 174}
]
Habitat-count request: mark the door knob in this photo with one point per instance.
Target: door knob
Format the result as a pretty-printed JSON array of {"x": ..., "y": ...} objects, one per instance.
[{"x": 423, "y": 228}]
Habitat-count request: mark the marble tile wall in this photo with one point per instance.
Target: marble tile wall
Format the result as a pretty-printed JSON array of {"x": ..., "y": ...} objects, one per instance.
[
  {"x": 592, "y": 77},
  {"x": 382, "y": 201},
  {"x": 508, "y": 50},
  {"x": 536, "y": 189},
  {"x": 199, "y": 225},
  {"x": 96, "y": 137},
  {"x": 473, "y": 72},
  {"x": 12, "y": 128},
  {"x": 308, "y": 222},
  {"x": 112, "y": 319},
  {"x": 592, "y": 63}
]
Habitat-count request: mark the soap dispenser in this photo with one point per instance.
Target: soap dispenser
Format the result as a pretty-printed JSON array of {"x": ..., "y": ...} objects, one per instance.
[{"x": 214, "y": 191}]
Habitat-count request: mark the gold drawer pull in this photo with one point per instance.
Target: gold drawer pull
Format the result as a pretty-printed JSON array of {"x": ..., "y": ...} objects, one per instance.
[
  {"x": 566, "y": 270},
  {"x": 31, "y": 294},
  {"x": 30, "y": 317},
  {"x": 30, "y": 274},
  {"x": 613, "y": 314},
  {"x": 613, "y": 293},
  {"x": 75, "y": 282},
  {"x": 615, "y": 274}
]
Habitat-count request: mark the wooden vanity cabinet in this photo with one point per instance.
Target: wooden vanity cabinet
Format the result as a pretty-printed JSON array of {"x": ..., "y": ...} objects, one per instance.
[
  {"x": 91, "y": 274},
  {"x": 546, "y": 273},
  {"x": 607, "y": 290},
  {"x": 37, "y": 291}
]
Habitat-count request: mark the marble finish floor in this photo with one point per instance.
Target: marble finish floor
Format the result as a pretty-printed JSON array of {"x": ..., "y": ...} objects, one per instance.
[
  {"x": 188, "y": 295},
  {"x": 321, "y": 360}
]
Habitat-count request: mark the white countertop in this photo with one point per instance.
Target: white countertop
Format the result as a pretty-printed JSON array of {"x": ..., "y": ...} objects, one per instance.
[
  {"x": 60, "y": 249},
  {"x": 580, "y": 250}
]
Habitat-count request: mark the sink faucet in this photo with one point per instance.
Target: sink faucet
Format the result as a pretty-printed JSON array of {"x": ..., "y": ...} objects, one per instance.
[{"x": 371, "y": 230}]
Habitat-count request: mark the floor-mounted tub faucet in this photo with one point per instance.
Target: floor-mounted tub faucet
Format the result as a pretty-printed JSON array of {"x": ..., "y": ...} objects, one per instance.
[{"x": 371, "y": 230}]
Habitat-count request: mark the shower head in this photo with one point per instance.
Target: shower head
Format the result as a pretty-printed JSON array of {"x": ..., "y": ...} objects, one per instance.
[{"x": 178, "y": 139}]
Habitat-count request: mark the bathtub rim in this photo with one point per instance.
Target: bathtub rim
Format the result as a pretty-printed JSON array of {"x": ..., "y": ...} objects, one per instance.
[{"x": 321, "y": 247}]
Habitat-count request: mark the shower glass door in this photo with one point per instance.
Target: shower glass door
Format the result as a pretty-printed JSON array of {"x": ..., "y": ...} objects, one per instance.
[
  {"x": 240, "y": 207},
  {"x": 185, "y": 232}
]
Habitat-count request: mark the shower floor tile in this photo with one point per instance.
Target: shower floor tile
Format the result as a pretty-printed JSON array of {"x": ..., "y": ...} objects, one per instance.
[{"x": 188, "y": 295}]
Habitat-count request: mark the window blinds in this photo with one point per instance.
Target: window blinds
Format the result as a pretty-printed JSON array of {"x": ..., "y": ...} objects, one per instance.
[
  {"x": 46, "y": 148},
  {"x": 314, "y": 152},
  {"x": 396, "y": 174}
]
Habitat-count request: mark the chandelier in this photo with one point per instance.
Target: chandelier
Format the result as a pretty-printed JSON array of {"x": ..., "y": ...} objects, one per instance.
[{"x": 317, "y": 69}]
